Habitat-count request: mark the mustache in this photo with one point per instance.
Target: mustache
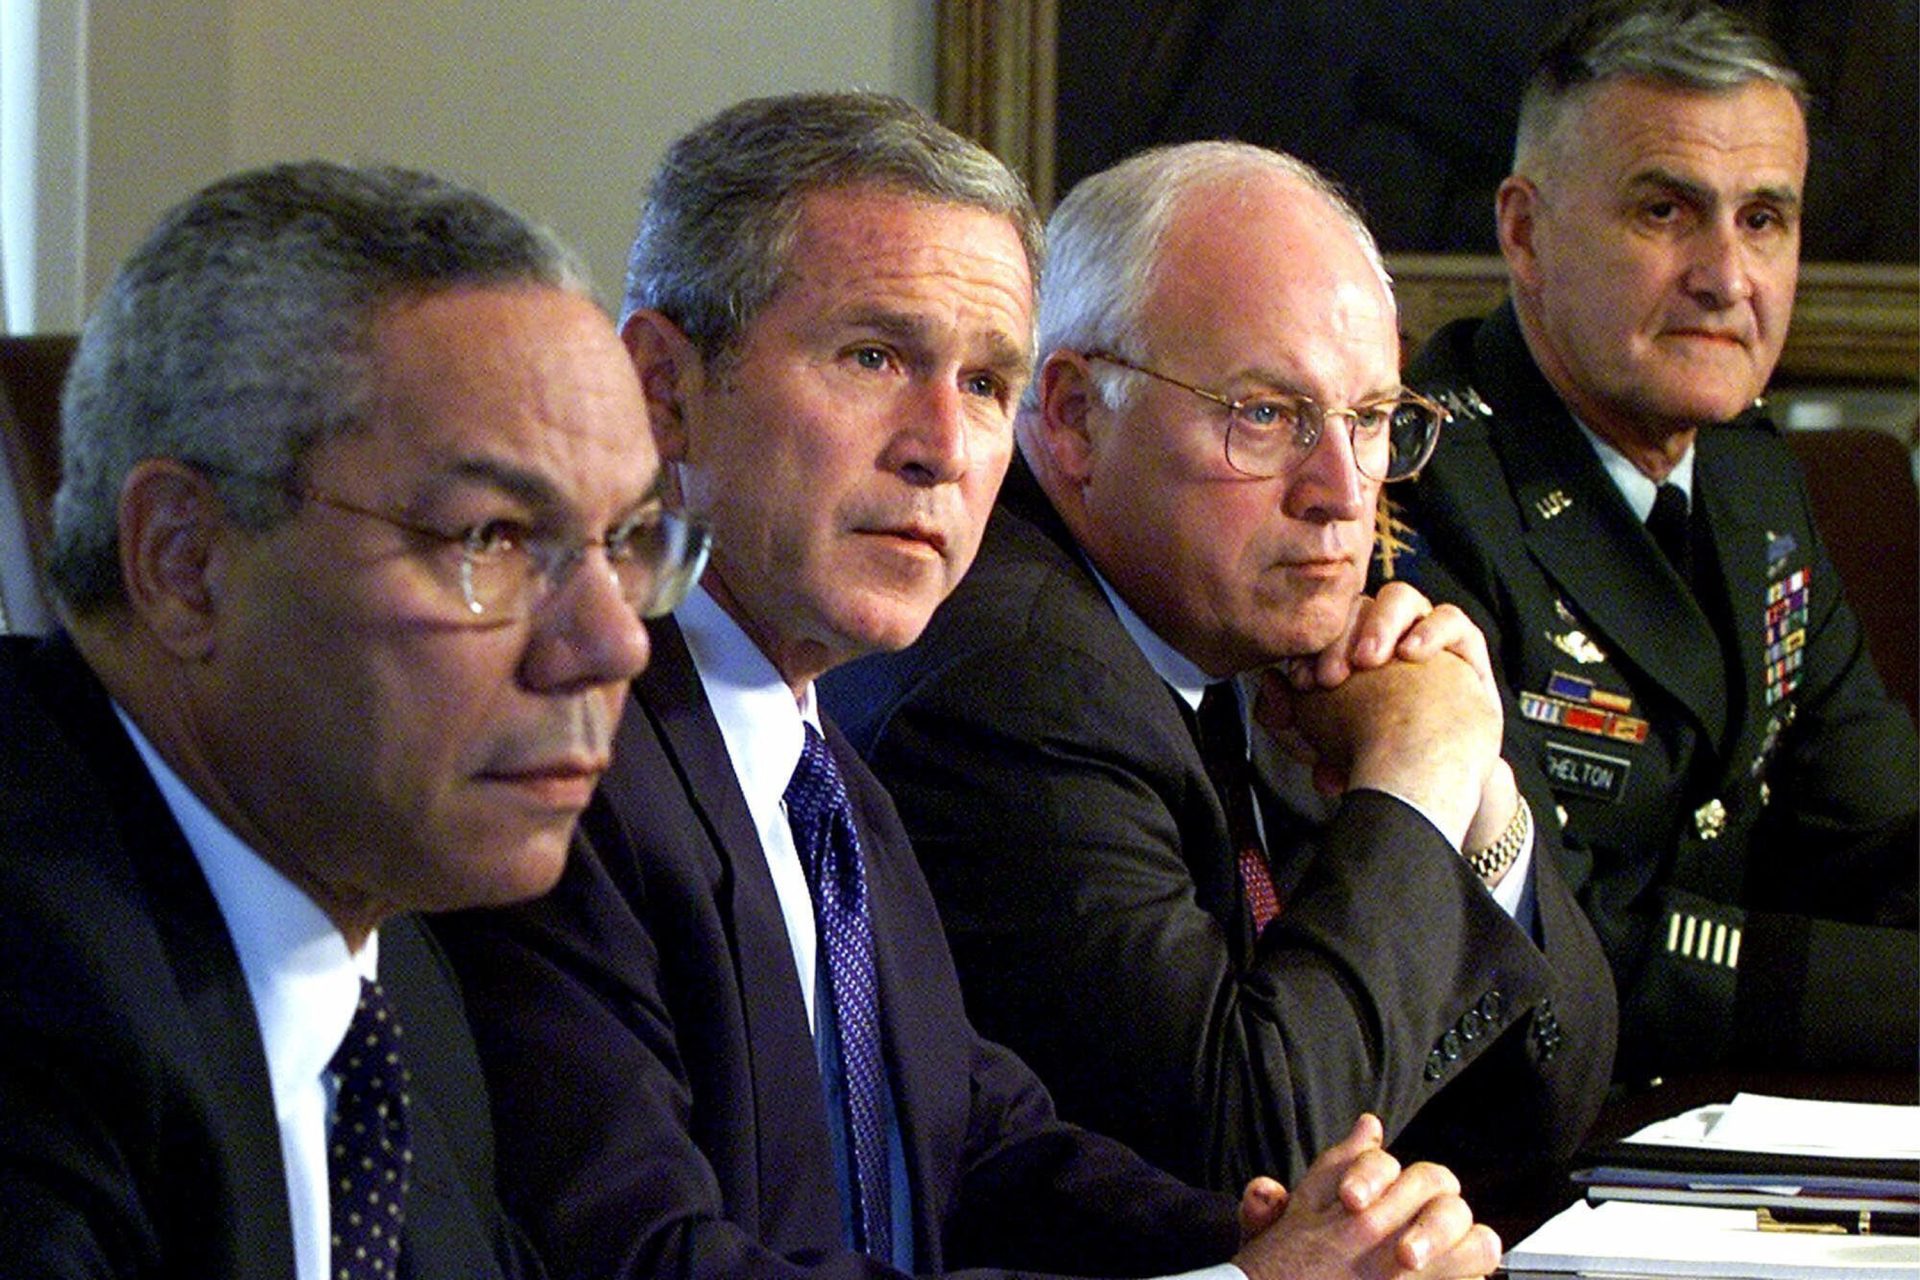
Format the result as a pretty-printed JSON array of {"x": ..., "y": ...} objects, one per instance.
[{"x": 576, "y": 737}]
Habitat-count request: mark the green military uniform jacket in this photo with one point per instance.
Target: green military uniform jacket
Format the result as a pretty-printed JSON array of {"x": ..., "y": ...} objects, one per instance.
[{"x": 1738, "y": 792}]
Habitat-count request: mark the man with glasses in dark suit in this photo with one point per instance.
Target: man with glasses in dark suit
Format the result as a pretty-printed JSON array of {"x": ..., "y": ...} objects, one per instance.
[
  {"x": 357, "y": 524},
  {"x": 1148, "y": 897}
]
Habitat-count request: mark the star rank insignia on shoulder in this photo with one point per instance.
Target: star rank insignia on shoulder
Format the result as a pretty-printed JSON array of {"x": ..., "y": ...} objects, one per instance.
[{"x": 1461, "y": 402}]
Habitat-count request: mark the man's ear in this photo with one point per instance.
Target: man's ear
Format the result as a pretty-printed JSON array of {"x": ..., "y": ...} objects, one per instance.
[
  {"x": 1066, "y": 394},
  {"x": 1516, "y": 209},
  {"x": 170, "y": 527},
  {"x": 670, "y": 370}
]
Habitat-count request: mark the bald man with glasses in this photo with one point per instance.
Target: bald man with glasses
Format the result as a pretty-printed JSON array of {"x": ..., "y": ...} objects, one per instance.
[{"x": 1226, "y": 851}]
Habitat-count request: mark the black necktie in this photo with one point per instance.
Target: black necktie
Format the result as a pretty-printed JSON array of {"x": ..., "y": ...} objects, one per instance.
[
  {"x": 1223, "y": 746},
  {"x": 369, "y": 1159},
  {"x": 1667, "y": 522},
  {"x": 822, "y": 820}
]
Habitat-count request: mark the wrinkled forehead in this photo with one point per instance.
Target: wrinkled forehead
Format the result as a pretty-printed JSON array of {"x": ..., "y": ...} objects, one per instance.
[
  {"x": 1276, "y": 288},
  {"x": 529, "y": 381},
  {"x": 1754, "y": 132}
]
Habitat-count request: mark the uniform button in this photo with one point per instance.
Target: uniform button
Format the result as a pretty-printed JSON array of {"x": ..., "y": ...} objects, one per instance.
[
  {"x": 1450, "y": 1046},
  {"x": 1492, "y": 1005},
  {"x": 1436, "y": 1067},
  {"x": 1471, "y": 1024}
]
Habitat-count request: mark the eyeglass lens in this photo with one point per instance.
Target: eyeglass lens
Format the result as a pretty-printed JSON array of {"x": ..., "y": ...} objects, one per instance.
[
  {"x": 1389, "y": 442},
  {"x": 654, "y": 562}
]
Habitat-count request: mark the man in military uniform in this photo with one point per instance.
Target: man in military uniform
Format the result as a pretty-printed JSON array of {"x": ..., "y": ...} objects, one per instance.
[{"x": 1737, "y": 789}]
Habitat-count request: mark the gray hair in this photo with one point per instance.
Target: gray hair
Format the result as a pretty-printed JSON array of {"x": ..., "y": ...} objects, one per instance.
[
  {"x": 1688, "y": 44},
  {"x": 240, "y": 335},
  {"x": 1104, "y": 242},
  {"x": 722, "y": 213}
]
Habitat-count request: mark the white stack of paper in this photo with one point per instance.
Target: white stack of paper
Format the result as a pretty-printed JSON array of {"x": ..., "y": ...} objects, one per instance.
[
  {"x": 1685, "y": 1240},
  {"x": 1788, "y": 1153}
]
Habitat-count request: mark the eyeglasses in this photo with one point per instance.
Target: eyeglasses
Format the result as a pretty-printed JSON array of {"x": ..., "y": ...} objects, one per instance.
[
  {"x": 503, "y": 569},
  {"x": 1273, "y": 432}
]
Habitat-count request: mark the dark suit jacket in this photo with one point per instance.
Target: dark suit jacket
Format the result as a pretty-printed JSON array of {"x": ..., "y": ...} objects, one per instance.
[
  {"x": 1745, "y": 817},
  {"x": 137, "y": 1130},
  {"x": 655, "y": 1083},
  {"x": 1081, "y": 859}
]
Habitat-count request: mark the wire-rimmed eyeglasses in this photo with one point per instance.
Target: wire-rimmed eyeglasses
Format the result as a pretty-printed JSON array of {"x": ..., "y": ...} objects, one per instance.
[
  {"x": 1273, "y": 431},
  {"x": 501, "y": 569}
]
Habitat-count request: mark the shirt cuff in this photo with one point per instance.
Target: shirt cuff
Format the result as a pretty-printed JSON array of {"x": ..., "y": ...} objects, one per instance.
[
  {"x": 1514, "y": 892},
  {"x": 1224, "y": 1271}
]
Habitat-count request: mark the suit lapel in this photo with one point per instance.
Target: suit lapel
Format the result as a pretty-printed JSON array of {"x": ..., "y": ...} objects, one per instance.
[
  {"x": 1211, "y": 859},
  {"x": 795, "y": 1168},
  {"x": 234, "y": 1087},
  {"x": 1581, "y": 533}
]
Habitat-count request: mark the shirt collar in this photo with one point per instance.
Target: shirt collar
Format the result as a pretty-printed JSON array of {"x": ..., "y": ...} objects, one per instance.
[
  {"x": 304, "y": 982},
  {"x": 1179, "y": 671},
  {"x": 758, "y": 717},
  {"x": 1634, "y": 484}
]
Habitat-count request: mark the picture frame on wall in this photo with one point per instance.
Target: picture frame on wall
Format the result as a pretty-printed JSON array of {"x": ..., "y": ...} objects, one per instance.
[{"x": 1026, "y": 78}]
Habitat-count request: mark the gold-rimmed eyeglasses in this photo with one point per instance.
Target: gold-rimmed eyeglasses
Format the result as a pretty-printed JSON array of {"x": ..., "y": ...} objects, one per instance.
[
  {"x": 1273, "y": 431},
  {"x": 501, "y": 569}
]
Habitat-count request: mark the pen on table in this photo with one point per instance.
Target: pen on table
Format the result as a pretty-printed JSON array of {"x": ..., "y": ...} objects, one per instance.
[{"x": 1852, "y": 1222}]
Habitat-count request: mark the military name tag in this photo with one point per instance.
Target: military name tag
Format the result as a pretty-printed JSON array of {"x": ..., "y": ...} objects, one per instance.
[{"x": 1571, "y": 768}]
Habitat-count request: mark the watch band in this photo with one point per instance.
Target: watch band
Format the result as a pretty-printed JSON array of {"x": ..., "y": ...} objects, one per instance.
[{"x": 1492, "y": 862}]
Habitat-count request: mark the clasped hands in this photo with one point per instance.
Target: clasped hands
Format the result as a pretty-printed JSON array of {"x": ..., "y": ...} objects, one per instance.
[
  {"x": 1357, "y": 1213},
  {"x": 1404, "y": 702}
]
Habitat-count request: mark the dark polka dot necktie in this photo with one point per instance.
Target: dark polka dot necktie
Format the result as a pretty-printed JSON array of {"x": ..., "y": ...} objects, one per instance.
[
  {"x": 822, "y": 821},
  {"x": 369, "y": 1161}
]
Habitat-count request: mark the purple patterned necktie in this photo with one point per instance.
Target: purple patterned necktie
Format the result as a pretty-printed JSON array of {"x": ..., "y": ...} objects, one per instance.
[
  {"x": 822, "y": 821},
  {"x": 369, "y": 1159}
]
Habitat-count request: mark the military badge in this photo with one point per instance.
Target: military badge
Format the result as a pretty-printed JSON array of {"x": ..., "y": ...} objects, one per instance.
[
  {"x": 1397, "y": 545},
  {"x": 1767, "y": 745},
  {"x": 1786, "y": 633},
  {"x": 1780, "y": 547},
  {"x": 1575, "y": 645},
  {"x": 1572, "y": 702}
]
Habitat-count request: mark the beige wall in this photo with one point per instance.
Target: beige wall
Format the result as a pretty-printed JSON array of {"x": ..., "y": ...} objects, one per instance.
[{"x": 560, "y": 108}]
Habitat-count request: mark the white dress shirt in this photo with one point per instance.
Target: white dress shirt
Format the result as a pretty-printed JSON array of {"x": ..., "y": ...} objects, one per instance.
[
  {"x": 763, "y": 727},
  {"x": 305, "y": 986},
  {"x": 761, "y": 723},
  {"x": 1634, "y": 484}
]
